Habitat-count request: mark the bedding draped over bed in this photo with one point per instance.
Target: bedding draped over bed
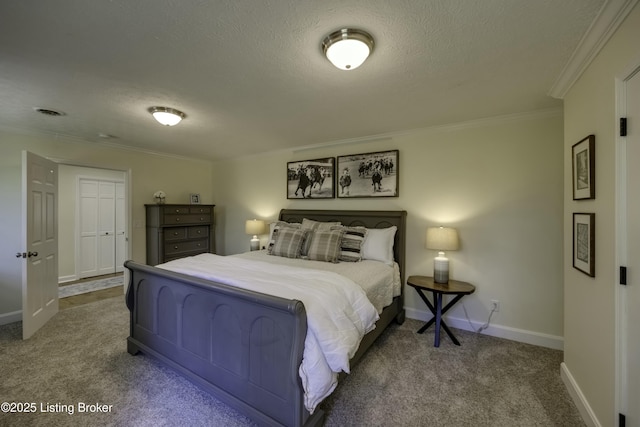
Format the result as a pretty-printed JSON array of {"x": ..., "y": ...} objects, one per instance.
[{"x": 338, "y": 311}]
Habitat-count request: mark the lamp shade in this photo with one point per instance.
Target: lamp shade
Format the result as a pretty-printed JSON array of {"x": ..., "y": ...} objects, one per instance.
[
  {"x": 442, "y": 238},
  {"x": 347, "y": 48},
  {"x": 254, "y": 227}
]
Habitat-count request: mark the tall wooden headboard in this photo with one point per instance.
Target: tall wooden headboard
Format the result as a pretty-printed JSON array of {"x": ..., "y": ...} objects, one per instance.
[{"x": 369, "y": 219}]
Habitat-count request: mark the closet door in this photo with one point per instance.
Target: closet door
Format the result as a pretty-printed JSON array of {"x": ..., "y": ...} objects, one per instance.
[
  {"x": 106, "y": 227},
  {"x": 88, "y": 228},
  {"x": 121, "y": 238}
]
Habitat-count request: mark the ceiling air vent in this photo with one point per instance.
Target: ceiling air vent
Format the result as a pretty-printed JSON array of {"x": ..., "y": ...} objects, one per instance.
[{"x": 49, "y": 112}]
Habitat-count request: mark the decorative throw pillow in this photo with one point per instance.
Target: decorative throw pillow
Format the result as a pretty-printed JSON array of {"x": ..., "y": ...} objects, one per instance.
[
  {"x": 287, "y": 242},
  {"x": 378, "y": 244},
  {"x": 279, "y": 224},
  {"x": 309, "y": 224},
  {"x": 351, "y": 244},
  {"x": 325, "y": 245}
]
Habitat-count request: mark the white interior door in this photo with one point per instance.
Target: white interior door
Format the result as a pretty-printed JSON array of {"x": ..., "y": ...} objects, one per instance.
[
  {"x": 121, "y": 227},
  {"x": 88, "y": 228},
  {"x": 40, "y": 242},
  {"x": 632, "y": 290},
  {"x": 106, "y": 227}
]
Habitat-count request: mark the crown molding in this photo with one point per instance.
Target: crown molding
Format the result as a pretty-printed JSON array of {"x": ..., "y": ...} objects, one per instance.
[{"x": 611, "y": 15}]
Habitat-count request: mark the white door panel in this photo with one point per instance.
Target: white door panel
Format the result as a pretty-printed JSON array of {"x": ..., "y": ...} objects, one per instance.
[
  {"x": 633, "y": 252},
  {"x": 40, "y": 240}
]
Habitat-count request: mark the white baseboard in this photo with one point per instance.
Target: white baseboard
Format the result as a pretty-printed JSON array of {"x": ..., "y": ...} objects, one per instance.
[
  {"x": 65, "y": 279},
  {"x": 513, "y": 334},
  {"x": 14, "y": 316},
  {"x": 578, "y": 398}
]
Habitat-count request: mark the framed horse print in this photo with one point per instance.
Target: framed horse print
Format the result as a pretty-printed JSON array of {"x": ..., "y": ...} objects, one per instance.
[
  {"x": 368, "y": 174},
  {"x": 311, "y": 179}
]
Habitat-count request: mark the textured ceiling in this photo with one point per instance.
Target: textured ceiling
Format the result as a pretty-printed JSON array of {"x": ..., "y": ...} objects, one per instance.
[{"x": 251, "y": 77}]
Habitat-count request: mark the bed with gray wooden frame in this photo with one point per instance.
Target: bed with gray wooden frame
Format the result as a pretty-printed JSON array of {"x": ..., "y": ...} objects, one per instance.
[{"x": 173, "y": 319}]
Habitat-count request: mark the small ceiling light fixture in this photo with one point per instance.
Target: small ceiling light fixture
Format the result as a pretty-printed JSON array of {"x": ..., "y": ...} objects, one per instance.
[
  {"x": 167, "y": 116},
  {"x": 347, "y": 48}
]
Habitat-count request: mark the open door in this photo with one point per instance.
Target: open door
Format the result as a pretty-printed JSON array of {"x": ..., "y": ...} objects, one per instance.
[
  {"x": 632, "y": 290},
  {"x": 40, "y": 242}
]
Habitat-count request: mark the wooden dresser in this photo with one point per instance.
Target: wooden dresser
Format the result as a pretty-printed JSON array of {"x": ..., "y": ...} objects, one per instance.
[{"x": 177, "y": 231}]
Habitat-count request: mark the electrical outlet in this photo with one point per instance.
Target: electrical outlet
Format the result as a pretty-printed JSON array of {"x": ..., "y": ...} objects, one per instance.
[{"x": 495, "y": 305}]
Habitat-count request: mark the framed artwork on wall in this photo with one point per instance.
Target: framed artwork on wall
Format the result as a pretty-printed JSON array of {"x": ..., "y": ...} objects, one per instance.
[
  {"x": 368, "y": 174},
  {"x": 584, "y": 248},
  {"x": 311, "y": 179},
  {"x": 194, "y": 198},
  {"x": 583, "y": 167}
]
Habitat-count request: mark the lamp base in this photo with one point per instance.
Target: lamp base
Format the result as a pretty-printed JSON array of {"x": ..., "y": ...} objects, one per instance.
[
  {"x": 255, "y": 244},
  {"x": 441, "y": 269}
]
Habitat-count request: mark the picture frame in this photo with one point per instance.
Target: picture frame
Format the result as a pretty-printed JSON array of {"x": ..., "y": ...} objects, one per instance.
[
  {"x": 583, "y": 168},
  {"x": 584, "y": 249},
  {"x": 368, "y": 174},
  {"x": 311, "y": 179},
  {"x": 194, "y": 198}
]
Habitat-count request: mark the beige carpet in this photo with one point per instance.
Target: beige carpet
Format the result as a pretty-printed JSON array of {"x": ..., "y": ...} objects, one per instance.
[{"x": 79, "y": 358}]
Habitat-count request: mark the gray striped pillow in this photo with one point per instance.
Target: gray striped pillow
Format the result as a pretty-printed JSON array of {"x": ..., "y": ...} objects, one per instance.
[
  {"x": 325, "y": 245},
  {"x": 286, "y": 242},
  {"x": 351, "y": 244}
]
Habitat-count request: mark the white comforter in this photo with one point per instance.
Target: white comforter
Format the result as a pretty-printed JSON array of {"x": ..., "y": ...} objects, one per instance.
[{"x": 338, "y": 311}]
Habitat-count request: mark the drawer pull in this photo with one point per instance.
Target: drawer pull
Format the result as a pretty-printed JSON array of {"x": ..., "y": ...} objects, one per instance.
[
  {"x": 199, "y": 231},
  {"x": 177, "y": 210},
  {"x": 201, "y": 219},
  {"x": 175, "y": 233},
  {"x": 199, "y": 244},
  {"x": 175, "y": 247},
  {"x": 177, "y": 219}
]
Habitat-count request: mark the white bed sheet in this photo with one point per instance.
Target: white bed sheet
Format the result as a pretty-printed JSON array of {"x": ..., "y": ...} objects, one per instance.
[{"x": 379, "y": 281}]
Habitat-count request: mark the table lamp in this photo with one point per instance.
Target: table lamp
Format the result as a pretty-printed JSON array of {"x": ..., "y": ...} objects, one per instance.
[
  {"x": 254, "y": 227},
  {"x": 441, "y": 239}
]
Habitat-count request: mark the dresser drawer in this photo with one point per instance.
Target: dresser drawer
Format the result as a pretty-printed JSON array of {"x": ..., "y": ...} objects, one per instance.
[
  {"x": 173, "y": 210},
  {"x": 200, "y": 210},
  {"x": 187, "y": 219},
  {"x": 195, "y": 232},
  {"x": 182, "y": 247},
  {"x": 175, "y": 233}
]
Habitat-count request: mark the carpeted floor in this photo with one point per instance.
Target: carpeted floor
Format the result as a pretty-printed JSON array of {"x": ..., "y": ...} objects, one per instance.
[{"x": 80, "y": 357}]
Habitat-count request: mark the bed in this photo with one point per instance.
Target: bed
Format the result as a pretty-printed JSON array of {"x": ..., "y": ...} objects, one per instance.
[{"x": 242, "y": 346}]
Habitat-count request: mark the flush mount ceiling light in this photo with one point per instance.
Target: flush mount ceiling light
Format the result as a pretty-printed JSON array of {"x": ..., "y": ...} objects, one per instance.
[
  {"x": 167, "y": 116},
  {"x": 347, "y": 48}
]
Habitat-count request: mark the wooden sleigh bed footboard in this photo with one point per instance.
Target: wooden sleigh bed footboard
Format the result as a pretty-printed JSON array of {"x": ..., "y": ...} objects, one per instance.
[{"x": 243, "y": 347}]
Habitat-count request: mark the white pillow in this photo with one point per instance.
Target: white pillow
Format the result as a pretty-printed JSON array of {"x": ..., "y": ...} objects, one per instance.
[{"x": 378, "y": 244}]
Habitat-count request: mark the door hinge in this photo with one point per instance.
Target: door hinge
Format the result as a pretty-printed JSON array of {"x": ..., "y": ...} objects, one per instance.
[
  {"x": 621, "y": 420},
  {"x": 623, "y": 275},
  {"x": 623, "y": 126}
]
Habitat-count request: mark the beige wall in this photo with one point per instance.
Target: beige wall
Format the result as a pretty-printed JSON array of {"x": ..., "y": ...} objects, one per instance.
[
  {"x": 590, "y": 318},
  {"x": 499, "y": 182},
  {"x": 147, "y": 173}
]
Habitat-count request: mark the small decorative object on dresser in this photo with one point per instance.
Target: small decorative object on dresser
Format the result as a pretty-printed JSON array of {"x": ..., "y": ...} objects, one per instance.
[
  {"x": 195, "y": 199},
  {"x": 177, "y": 231},
  {"x": 159, "y": 197}
]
